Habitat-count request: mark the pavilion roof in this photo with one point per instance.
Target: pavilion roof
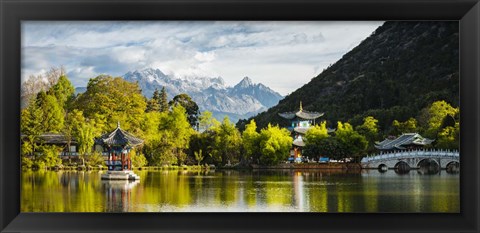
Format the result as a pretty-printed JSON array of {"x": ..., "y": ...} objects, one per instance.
[
  {"x": 301, "y": 114},
  {"x": 299, "y": 142},
  {"x": 303, "y": 130},
  {"x": 402, "y": 141},
  {"x": 119, "y": 137}
]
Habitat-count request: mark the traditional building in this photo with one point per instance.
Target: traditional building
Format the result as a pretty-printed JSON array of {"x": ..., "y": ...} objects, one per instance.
[
  {"x": 119, "y": 143},
  {"x": 301, "y": 121},
  {"x": 405, "y": 141},
  {"x": 69, "y": 145}
]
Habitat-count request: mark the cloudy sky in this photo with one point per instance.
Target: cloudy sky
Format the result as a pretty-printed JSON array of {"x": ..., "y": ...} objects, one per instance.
[{"x": 282, "y": 55}]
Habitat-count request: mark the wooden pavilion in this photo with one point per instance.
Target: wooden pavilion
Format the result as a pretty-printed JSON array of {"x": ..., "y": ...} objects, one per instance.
[{"x": 119, "y": 143}]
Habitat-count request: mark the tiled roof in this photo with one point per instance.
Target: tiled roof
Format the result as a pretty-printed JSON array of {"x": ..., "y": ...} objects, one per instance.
[
  {"x": 119, "y": 137},
  {"x": 301, "y": 114},
  {"x": 403, "y": 140},
  {"x": 299, "y": 142},
  {"x": 54, "y": 138}
]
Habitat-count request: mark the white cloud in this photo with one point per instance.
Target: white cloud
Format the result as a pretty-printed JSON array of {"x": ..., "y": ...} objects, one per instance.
[{"x": 281, "y": 54}]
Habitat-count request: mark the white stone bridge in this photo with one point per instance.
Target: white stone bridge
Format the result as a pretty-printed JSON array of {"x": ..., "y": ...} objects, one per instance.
[{"x": 412, "y": 159}]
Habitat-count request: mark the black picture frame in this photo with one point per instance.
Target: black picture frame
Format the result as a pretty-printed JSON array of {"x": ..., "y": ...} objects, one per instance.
[{"x": 12, "y": 12}]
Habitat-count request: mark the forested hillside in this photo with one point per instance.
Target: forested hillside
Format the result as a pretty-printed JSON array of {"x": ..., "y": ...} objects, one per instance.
[{"x": 402, "y": 68}]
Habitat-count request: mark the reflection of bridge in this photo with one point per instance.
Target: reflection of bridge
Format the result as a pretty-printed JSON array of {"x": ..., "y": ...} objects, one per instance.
[{"x": 412, "y": 159}]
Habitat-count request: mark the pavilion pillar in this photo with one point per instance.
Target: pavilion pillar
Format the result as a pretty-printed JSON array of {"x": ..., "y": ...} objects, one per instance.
[
  {"x": 129, "y": 161},
  {"x": 123, "y": 161}
]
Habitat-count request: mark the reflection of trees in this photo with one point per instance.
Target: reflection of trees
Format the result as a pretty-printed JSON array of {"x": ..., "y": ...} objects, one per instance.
[
  {"x": 162, "y": 188},
  {"x": 49, "y": 191},
  {"x": 276, "y": 190}
]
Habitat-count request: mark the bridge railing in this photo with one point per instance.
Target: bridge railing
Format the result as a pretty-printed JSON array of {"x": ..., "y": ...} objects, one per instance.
[{"x": 411, "y": 153}]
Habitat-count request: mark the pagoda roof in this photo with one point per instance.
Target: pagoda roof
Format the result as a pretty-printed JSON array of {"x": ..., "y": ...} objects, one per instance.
[
  {"x": 301, "y": 114},
  {"x": 402, "y": 141},
  {"x": 119, "y": 137},
  {"x": 299, "y": 142},
  {"x": 303, "y": 130}
]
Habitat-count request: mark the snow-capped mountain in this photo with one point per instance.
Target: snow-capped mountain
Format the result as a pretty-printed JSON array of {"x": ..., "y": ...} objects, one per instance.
[{"x": 238, "y": 102}]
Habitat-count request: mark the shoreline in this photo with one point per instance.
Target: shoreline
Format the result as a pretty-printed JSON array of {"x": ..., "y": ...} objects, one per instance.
[{"x": 284, "y": 166}]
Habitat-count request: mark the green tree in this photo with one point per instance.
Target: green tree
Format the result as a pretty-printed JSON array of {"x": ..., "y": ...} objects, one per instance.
[
  {"x": 251, "y": 141},
  {"x": 449, "y": 135},
  {"x": 353, "y": 143},
  {"x": 227, "y": 143},
  {"x": 31, "y": 128},
  {"x": 114, "y": 100},
  {"x": 203, "y": 142},
  {"x": 275, "y": 145},
  {"x": 94, "y": 159},
  {"x": 313, "y": 139},
  {"x": 151, "y": 136},
  {"x": 369, "y": 129},
  {"x": 49, "y": 155},
  {"x": 53, "y": 114},
  {"x": 199, "y": 156},
  {"x": 63, "y": 91},
  {"x": 138, "y": 159},
  {"x": 85, "y": 133},
  {"x": 190, "y": 106},
  {"x": 207, "y": 121},
  {"x": 332, "y": 148},
  {"x": 409, "y": 126},
  {"x": 175, "y": 133},
  {"x": 436, "y": 114},
  {"x": 72, "y": 120},
  {"x": 153, "y": 104},
  {"x": 163, "y": 101}
]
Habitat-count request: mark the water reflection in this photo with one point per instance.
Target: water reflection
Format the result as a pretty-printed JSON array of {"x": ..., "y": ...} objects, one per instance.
[
  {"x": 240, "y": 191},
  {"x": 118, "y": 194}
]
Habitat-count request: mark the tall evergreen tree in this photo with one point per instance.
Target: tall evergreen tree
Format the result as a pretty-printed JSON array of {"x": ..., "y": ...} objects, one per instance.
[
  {"x": 153, "y": 105},
  {"x": 163, "y": 102}
]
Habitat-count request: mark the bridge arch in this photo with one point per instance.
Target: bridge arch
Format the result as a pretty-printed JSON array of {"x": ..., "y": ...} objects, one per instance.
[
  {"x": 453, "y": 167},
  {"x": 382, "y": 167},
  {"x": 428, "y": 166},
  {"x": 402, "y": 167}
]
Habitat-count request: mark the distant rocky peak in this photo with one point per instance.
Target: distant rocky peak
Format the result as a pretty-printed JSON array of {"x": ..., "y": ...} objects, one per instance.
[{"x": 245, "y": 83}]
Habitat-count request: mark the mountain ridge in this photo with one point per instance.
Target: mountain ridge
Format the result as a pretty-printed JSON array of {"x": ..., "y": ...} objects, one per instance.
[
  {"x": 394, "y": 73},
  {"x": 243, "y": 100}
]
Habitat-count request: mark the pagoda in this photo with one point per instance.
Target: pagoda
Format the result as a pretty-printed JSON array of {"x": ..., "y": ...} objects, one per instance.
[
  {"x": 119, "y": 143},
  {"x": 301, "y": 121}
]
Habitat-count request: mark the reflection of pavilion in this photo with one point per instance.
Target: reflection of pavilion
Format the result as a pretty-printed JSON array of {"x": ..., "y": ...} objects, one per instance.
[
  {"x": 298, "y": 190},
  {"x": 118, "y": 194},
  {"x": 301, "y": 121}
]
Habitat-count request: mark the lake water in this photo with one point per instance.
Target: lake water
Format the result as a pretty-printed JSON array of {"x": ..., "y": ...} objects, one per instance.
[{"x": 241, "y": 191}]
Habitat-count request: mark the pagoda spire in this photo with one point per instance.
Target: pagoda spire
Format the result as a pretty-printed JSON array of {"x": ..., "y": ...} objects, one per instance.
[
  {"x": 118, "y": 124},
  {"x": 301, "y": 108}
]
